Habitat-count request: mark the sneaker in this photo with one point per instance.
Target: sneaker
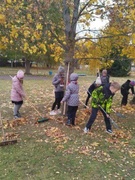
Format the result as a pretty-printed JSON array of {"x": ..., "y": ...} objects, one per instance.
[
  {"x": 68, "y": 123},
  {"x": 58, "y": 111},
  {"x": 18, "y": 114},
  {"x": 53, "y": 113},
  {"x": 86, "y": 130},
  {"x": 16, "y": 117},
  {"x": 109, "y": 131}
]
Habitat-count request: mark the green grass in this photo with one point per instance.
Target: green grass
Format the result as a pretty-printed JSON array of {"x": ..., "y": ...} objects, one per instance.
[{"x": 41, "y": 153}]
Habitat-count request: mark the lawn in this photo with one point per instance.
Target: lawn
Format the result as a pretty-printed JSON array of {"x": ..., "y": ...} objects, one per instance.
[{"x": 53, "y": 151}]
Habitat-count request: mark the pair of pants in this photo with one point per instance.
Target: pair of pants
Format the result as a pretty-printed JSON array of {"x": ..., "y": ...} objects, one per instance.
[
  {"x": 58, "y": 98},
  {"x": 17, "y": 106},
  {"x": 93, "y": 117},
  {"x": 71, "y": 114},
  {"x": 124, "y": 99}
]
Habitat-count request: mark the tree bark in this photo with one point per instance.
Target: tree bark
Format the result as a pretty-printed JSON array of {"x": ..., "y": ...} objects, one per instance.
[{"x": 27, "y": 67}]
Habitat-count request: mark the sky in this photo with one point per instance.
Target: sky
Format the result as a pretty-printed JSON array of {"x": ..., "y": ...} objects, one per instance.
[{"x": 95, "y": 25}]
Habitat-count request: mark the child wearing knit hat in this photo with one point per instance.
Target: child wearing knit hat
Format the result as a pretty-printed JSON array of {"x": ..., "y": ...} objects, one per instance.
[
  {"x": 17, "y": 93},
  {"x": 72, "y": 98},
  {"x": 58, "y": 82}
]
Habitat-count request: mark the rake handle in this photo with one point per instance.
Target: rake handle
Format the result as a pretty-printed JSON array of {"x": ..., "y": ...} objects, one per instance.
[
  {"x": 35, "y": 109},
  {"x": 84, "y": 104},
  {"x": 3, "y": 133}
]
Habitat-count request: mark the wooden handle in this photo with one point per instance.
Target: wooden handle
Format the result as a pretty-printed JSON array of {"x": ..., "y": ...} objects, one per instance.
[{"x": 3, "y": 133}]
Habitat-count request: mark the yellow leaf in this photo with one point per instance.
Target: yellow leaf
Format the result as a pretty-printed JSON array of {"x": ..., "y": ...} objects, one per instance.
[
  {"x": 9, "y": 1},
  {"x": 95, "y": 144}
]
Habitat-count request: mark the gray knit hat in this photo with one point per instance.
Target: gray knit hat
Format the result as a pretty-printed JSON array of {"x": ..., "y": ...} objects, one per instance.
[
  {"x": 61, "y": 69},
  {"x": 73, "y": 77}
]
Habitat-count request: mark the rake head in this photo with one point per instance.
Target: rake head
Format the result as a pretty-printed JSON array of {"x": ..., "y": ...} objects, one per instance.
[{"x": 4, "y": 143}]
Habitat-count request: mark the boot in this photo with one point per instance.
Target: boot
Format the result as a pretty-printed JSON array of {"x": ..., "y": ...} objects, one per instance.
[
  {"x": 68, "y": 123},
  {"x": 73, "y": 122}
]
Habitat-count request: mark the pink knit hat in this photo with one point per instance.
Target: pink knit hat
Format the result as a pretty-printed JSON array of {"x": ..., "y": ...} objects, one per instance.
[
  {"x": 132, "y": 83},
  {"x": 20, "y": 74}
]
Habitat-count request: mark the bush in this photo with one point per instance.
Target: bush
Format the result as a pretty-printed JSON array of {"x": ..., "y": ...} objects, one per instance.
[{"x": 120, "y": 68}]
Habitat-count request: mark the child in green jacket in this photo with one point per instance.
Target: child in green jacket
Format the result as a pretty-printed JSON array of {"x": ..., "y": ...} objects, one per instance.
[{"x": 102, "y": 97}]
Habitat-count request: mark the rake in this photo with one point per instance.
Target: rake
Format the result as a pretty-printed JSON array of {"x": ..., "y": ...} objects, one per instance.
[
  {"x": 5, "y": 142},
  {"x": 111, "y": 120},
  {"x": 118, "y": 114},
  {"x": 41, "y": 119},
  {"x": 84, "y": 104}
]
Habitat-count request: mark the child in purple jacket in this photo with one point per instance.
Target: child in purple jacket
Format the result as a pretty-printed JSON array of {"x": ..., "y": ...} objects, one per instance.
[
  {"x": 17, "y": 93},
  {"x": 72, "y": 98}
]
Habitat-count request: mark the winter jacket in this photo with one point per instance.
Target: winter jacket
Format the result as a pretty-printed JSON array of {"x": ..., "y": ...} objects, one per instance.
[
  {"x": 105, "y": 79},
  {"x": 91, "y": 88},
  {"x": 71, "y": 94},
  {"x": 102, "y": 96},
  {"x": 126, "y": 87},
  {"x": 59, "y": 86},
  {"x": 17, "y": 92}
]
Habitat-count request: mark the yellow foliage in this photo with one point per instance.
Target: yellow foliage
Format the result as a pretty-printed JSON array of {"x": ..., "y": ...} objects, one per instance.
[
  {"x": 26, "y": 33},
  {"x": 14, "y": 33},
  {"x": 94, "y": 66},
  {"x": 4, "y": 39},
  {"x": 26, "y": 46},
  {"x": 43, "y": 47},
  {"x": 133, "y": 38},
  {"x": 39, "y": 26},
  {"x": 2, "y": 18},
  {"x": 37, "y": 35},
  {"x": 87, "y": 16},
  {"x": 29, "y": 17},
  {"x": 9, "y": 1}
]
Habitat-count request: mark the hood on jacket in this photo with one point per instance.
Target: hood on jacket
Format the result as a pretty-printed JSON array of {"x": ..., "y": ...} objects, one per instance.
[
  {"x": 61, "y": 70},
  {"x": 73, "y": 77}
]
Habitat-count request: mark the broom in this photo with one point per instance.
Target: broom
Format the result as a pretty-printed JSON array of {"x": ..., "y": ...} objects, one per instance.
[
  {"x": 41, "y": 119},
  {"x": 5, "y": 142}
]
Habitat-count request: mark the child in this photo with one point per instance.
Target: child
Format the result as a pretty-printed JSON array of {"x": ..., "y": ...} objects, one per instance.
[
  {"x": 72, "y": 98},
  {"x": 17, "y": 93},
  {"x": 125, "y": 91},
  {"x": 58, "y": 82},
  {"x": 104, "y": 77},
  {"x": 93, "y": 86},
  {"x": 102, "y": 96}
]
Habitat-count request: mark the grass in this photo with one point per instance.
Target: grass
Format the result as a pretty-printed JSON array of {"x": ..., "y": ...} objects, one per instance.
[{"x": 53, "y": 151}]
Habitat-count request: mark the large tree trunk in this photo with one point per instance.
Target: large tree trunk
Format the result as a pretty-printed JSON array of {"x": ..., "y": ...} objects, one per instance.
[
  {"x": 27, "y": 67},
  {"x": 70, "y": 22}
]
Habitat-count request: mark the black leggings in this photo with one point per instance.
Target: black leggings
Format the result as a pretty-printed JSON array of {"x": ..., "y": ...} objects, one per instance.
[{"x": 58, "y": 98}]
